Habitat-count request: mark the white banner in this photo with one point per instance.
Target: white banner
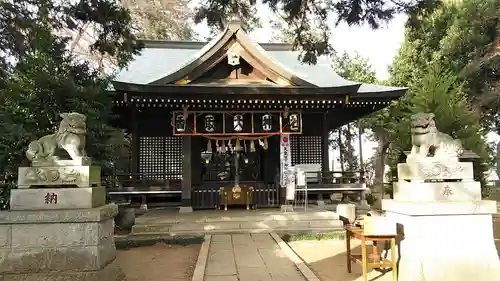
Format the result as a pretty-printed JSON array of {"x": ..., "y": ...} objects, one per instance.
[
  {"x": 286, "y": 159},
  {"x": 290, "y": 186}
]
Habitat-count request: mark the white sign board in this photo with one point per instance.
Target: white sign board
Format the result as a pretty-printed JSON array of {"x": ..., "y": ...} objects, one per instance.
[
  {"x": 286, "y": 159},
  {"x": 290, "y": 186},
  {"x": 301, "y": 177}
]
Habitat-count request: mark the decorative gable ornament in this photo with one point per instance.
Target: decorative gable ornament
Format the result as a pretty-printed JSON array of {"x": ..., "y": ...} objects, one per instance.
[
  {"x": 293, "y": 120},
  {"x": 180, "y": 123},
  {"x": 209, "y": 123},
  {"x": 233, "y": 58},
  {"x": 238, "y": 123},
  {"x": 266, "y": 123}
]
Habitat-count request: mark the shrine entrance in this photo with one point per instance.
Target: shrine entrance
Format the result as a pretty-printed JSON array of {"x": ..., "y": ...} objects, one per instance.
[{"x": 239, "y": 155}]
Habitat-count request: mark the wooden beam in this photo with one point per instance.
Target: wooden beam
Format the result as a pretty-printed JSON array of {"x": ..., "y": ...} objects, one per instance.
[
  {"x": 135, "y": 142},
  {"x": 325, "y": 158},
  {"x": 186, "y": 171}
]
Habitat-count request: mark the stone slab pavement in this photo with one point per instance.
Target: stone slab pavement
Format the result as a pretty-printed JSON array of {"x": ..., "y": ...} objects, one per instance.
[{"x": 248, "y": 257}]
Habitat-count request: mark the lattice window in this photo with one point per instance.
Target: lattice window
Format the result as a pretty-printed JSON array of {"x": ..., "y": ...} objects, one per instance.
[
  {"x": 306, "y": 149},
  {"x": 294, "y": 145},
  {"x": 160, "y": 157},
  {"x": 173, "y": 157}
]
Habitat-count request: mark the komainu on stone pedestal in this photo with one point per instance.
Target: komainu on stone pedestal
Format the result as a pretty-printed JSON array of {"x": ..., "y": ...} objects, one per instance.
[
  {"x": 437, "y": 207},
  {"x": 62, "y": 229},
  {"x": 47, "y": 169},
  {"x": 70, "y": 136},
  {"x": 428, "y": 141}
]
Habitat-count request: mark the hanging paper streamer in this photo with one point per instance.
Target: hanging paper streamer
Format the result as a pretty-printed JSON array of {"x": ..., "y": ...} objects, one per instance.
[
  {"x": 265, "y": 144},
  {"x": 209, "y": 146},
  {"x": 229, "y": 146},
  {"x": 217, "y": 147},
  {"x": 238, "y": 146},
  {"x": 261, "y": 143},
  {"x": 252, "y": 146}
]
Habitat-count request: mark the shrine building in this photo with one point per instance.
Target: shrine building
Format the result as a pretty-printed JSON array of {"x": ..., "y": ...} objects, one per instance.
[{"x": 221, "y": 123}]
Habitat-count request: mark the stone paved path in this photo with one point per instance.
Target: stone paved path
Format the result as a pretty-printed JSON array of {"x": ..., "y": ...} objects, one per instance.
[{"x": 248, "y": 257}]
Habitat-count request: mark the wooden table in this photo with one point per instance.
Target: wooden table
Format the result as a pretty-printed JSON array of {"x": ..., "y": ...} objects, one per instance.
[{"x": 374, "y": 261}]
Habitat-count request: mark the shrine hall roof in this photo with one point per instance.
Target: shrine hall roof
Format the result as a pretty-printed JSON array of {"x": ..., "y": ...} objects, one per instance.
[{"x": 160, "y": 60}]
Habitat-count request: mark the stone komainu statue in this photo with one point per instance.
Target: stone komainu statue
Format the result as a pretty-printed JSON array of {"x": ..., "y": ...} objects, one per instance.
[
  {"x": 70, "y": 136},
  {"x": 427, "y": 141}
]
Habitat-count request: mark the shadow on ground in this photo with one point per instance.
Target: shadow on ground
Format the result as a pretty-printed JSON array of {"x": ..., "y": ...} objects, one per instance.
[{"x": 328, "y": 260}]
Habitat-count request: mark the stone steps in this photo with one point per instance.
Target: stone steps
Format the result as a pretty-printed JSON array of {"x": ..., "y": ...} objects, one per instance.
[{"x": 262, "y": 223}]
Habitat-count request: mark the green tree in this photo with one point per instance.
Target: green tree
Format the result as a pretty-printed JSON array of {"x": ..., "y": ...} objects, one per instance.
[
  {"x": 359, "y": 69},
  {"x": 310, "y": 21},
  {"x": 42, "y": 78},
  {"x": 162, "y": 20},
  {"x": 462, "y": 36}
]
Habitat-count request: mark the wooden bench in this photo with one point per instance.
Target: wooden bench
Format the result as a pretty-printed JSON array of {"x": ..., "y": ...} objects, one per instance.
[{"x": 328, "y": 182}]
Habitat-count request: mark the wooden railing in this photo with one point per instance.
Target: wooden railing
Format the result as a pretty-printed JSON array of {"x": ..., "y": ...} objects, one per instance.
[
  {"x": 334, "y": 177},
  {"x": 206, "y": 195},
  {"x": 144, "y": 181}
]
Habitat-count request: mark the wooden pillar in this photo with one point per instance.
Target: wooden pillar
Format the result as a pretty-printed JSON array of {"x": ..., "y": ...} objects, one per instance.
[
  {"x": 135, "y": 144},
  {"x": 325, "y": 160},
  {"x": 361, "y": 160},
  {"x": 186, "y": 171},
  {"x": 341, "y": 151}
]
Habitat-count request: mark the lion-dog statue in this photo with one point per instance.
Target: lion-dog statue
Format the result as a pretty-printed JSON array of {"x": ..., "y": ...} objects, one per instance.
[
  {"x": 70, "y": 136},
  {"x": 427, "y": 141}
]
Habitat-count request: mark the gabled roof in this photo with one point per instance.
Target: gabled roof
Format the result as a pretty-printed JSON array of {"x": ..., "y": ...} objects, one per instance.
[{"x": 170, "y": 62}]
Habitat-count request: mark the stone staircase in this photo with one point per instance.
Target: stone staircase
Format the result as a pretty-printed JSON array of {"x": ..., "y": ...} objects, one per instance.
[{"x": 242, "y": 222}]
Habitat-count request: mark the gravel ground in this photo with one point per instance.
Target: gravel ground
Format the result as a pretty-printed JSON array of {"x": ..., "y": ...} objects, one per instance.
[{"x": 159, "y": 262}]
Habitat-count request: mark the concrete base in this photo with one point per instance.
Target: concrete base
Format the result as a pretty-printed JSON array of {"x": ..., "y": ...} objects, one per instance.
[
  {"x": 57, "y": 198},
  {"x": 437, "y": 191},
  {"x": 450, "y": 241},
  {"x": 185, "y": 209},
  {"x": 58, "y": 245}
]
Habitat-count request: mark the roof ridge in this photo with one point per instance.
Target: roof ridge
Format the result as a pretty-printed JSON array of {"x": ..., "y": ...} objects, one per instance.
[{"x": 180, "y": 44}]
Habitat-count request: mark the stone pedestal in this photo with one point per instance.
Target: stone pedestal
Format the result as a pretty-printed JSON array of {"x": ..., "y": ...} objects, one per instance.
[
  {"x": 57, "y": 198},
  {"x": 450, "y": 241},
  {"x": 59, "y": 175},
  {"x": 76, "y": 245},
  {"x": 445, "y": 228}
]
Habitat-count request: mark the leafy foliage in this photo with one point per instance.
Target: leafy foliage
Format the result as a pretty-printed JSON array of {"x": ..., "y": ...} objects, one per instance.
[
  {"x": 462, "y": 36},
  {"x": 42, "y": 78},
  {"x": 309, "y": 20},
  {"x": 161, "y": 20}
]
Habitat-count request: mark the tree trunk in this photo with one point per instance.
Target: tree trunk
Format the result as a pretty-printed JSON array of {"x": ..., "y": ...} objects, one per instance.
[{"x": 380, "y": 156}]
